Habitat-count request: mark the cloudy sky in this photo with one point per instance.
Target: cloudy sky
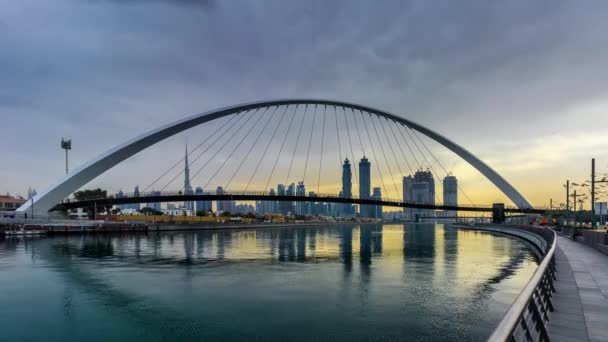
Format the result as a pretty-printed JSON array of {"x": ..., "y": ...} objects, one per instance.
[{"x": 521, "y": 84}]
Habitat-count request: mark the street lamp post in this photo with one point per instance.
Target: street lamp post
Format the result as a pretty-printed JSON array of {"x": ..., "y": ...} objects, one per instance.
[
  {"x": 574, "y": 202},
  {"x": 66, "y": 145},
  {"x": 567, "y": 203},
  {"x": 592, "y": 193}
]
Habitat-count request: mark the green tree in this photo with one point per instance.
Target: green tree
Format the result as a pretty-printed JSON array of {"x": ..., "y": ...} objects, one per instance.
[
  {"x": 84, "y": 195},
  {"x": 150, "y": 211}
]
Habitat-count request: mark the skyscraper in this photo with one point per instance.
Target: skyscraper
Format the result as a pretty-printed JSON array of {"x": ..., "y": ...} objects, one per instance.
[
  {"x": 282, "y": 206},
  {"x": 271, "y": 206},
  {"x": 291, "y": 191},
  {"x": 347, "y": 188},
  {"x": 450, "y": 193},
  {"x": 154, "y": 205},
  {"x": 426, "y": 177},
  {"x": 300, "y": 206},
  {"x": 377, "y": 195},
  {"x": 121, "y": 194},
  {"x": 419, "y": 189},
  {"x": 204, "y": 206},
  {"x": 222, "y": 206},
  {"x": 365, "y": 184},
  {"x": 136, "y": 206},
  {"x": 187, "y": 187}
]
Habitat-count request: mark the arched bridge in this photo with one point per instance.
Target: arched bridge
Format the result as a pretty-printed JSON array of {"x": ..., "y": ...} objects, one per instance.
[{"x": 357, "y": 121}]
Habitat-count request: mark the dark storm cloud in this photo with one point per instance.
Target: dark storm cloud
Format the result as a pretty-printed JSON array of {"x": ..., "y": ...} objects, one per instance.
[{"x": 114, "y": 68}]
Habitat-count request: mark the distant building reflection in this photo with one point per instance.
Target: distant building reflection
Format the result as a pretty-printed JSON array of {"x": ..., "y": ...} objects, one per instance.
[
  {"x": 419, "y": 241},
  {"x": 223, "y": 243},
  {"x": 300, "y": 245},
  {"x": 365, "y": 251},
  {"x": 286, "y": 245},
  {"x": 346, "y": 247}
]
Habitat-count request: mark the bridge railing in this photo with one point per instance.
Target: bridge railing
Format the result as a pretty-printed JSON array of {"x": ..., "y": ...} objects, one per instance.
[{"x": 528, "y": 316}]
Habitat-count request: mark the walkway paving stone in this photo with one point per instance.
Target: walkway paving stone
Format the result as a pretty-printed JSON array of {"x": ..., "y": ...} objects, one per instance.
[{"x": 581, "y": 297}]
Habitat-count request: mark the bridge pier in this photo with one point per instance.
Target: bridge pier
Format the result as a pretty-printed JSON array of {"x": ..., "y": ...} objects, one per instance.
[{"x": 498, "y": 213}]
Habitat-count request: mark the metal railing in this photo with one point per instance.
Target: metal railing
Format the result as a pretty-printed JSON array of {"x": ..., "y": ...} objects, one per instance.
[{"x": 528, "y": 316}]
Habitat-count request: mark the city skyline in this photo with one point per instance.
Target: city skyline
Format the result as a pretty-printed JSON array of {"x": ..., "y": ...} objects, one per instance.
[{"x": 527, "y": 121}]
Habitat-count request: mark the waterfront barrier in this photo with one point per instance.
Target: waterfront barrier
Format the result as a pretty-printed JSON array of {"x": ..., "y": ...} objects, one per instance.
[
  {"x": 528, "y": 317},
  {"x": 597, "y": 240}
]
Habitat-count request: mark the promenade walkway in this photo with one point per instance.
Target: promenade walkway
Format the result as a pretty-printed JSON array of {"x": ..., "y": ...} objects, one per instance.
[{"x": 581, "y": 297}]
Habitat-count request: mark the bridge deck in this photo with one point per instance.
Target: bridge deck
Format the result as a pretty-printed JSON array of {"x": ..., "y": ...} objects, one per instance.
[{"x": 581, "y": 297}]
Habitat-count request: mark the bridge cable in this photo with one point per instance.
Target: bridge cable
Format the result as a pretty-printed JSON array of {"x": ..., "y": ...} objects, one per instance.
[
  {"x": 430, "y": 167},
  {"x": 371, "y": 145},
  {"x": 282, "y": 145},
  {"x": 349, "y": 142},
  {"x": 357, "y": 127},
  {"x": 267, "y": 146},
  {"x": 413, "y": 155},
  {"x": 191, "y": 152},
  {"x": 322, "y": 145},
  {"x": 384, "y": 155},
  {"x": 206, "y": 149},
  {"x": 314, "y": 118},
  {"x": 409, "y": 166},
  {"x": 237, "y": 146},
  {"x": 295, "y": 148},
  {"x": 360, "y": 141},
  {"x": 338, "y": 135},
  {"x": 440, "y": 165},
  {"x": 222, "y": 147},
  {"x": 419, "y": 164},
  {"x": 252, "y": 146},
  {"x": 393, "y": 152}
]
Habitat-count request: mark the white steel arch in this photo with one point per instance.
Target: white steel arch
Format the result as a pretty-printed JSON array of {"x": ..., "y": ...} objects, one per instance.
[{"x": 80, "y": 176}]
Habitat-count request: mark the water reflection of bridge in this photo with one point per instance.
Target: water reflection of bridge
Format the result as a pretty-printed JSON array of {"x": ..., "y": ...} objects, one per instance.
[
  {"x": 344, "y": 243},
  {"x": 367, "y": 255}
]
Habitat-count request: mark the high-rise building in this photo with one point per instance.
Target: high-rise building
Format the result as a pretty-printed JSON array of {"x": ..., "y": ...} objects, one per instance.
[
  {"x": 347, "y": 188},
  {"x": 419, "y": 189},
  {"x": 426, "y": 177},
  {"x": 154, "y": 205},
  {"x": 271, "y": 206},
  {"x": 310, "y": 206},
  {"x": 224, "y": 206},
  {"x": 291, "y": 191},
  {"x": 135, "y": 206},
  {"x": 377, "y": 196},
  {"x": 121, "y": 194},
  {"x": 204, "y": 206},
  {"x": 187, "y": 186},
  {"x": 450, "y": 194},
  {"x": 300, "y": 206},
  {"x": 283, "y": 206},
  {"x": 365, "y": 184}
]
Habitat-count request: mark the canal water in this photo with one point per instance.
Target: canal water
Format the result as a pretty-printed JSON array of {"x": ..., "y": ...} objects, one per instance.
[{"x": 332, "y": 283}]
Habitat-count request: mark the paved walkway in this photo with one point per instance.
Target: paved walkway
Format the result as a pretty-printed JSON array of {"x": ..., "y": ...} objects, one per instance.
[{"x": 581, "y": 297}]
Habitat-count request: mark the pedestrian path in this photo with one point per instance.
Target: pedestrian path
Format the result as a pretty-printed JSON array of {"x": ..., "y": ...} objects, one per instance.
[{"x": 581, "y": 297}]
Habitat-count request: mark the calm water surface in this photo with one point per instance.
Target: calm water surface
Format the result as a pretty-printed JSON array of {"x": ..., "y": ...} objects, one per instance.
[{"x": 335, "y": 283}]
